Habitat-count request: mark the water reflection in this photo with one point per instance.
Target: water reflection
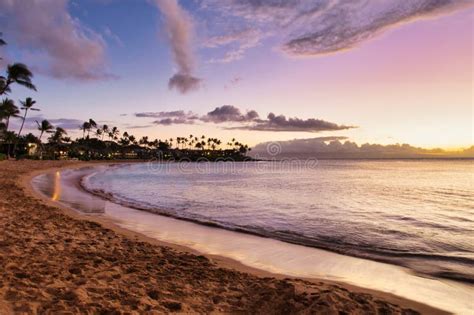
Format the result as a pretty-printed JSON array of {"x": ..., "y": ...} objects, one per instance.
[{"x": 56, "y": 186}]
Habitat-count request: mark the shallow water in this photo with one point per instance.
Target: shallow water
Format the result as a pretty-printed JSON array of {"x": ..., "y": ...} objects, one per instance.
[
  {"x": 419, "y": 214},
  {"x": 255, "y": 251}
]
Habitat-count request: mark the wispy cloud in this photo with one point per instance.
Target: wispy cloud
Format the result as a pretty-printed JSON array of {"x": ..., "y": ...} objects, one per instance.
[
  {"x": 72, "y": 50},
  {"x": 65, "y": 123},
  {"x": 328, "y": 26},
  {"x": 239, "y": 42},
  {"x": 233, "y": 82},
  {"x": 179, "y": 29},
  {"x": 113, "y": 37},
  {"x": 250, "y": 120}
]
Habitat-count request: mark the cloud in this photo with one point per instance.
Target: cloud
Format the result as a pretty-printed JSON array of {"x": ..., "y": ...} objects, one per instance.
[
  {"x": 281, "y": 123},
  {"x": 71, "y": 49},
  {"x": 65, "y": 123},
  {"x": 332, "y": 147},
  {"x": 170, "y": 114},
  {"x": 363, "y": 21},
  {"x": 179, "y": 29},
  {"x": 318, "y": 27},
  {"x": 229, "y": 113},
  {"x": 240, "y": 40},
  {"x": 184, "y": 82},
  {"x": 174, "y": 121},
  {"x": 233, "y": 82},
  {"x": 249, "y": 120},
  {"x": 113, "y": 37}
]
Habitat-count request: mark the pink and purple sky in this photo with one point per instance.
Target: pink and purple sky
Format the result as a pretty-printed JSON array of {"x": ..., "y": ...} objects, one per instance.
[{"x": 384, "y": 71}]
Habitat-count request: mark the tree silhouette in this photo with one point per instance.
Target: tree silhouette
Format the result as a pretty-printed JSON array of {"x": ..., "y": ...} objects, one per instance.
[
  {"x": 17, "y": 73},
  {"x": 26, "y": 106}
]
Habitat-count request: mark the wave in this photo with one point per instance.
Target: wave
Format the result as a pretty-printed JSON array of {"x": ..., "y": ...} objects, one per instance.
[{"x": 432, "y": 263}]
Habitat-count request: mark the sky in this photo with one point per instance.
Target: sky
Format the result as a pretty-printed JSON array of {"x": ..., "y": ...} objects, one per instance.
[{"x": 380, "y": 72}]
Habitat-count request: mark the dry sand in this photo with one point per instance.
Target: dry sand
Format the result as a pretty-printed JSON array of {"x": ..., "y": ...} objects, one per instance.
[{"x": 55, "y": 261}]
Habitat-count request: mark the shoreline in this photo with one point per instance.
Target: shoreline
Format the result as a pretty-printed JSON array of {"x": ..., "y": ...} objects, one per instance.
[
  {"x": 222, "y": 262},
  {"x": 325, "y": 247}
]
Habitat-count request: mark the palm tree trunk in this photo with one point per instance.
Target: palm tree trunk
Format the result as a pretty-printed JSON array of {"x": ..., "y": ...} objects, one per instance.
[
  {"x": 41, "y": 145},
  {"x": 19, "y": 132}
]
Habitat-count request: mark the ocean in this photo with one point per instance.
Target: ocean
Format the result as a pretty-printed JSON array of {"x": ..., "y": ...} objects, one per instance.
[{"x": 415, "y": 213}]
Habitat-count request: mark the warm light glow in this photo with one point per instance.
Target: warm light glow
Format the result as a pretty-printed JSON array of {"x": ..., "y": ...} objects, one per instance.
[{"x": 57, "y": 186}]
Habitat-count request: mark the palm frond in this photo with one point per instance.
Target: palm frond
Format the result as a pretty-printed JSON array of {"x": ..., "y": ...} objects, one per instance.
[{"x": 26, "y": 84}]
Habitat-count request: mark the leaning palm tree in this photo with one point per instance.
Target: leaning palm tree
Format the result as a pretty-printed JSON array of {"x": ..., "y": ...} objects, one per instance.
[
  {"x": 92, "y": 124},
  {"x": 26, "y": 106},
  {"x": 45, "y": 126},
  {"x": 16, "y": 73}
]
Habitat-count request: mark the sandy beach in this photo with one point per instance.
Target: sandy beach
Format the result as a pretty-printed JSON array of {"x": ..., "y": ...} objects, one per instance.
[{"x": 55, "y": 260}]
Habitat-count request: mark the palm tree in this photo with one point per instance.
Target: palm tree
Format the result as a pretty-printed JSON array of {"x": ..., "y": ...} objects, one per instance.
[
  {"x": 45, "y": 126},
  {"x": 16, "y": 73},
  {"x": 144, "y": 141},
  {"x": 92, "y": 124},
  {"x": 132, "y": 139},
  {"x": 85, "y": 127},
  {"x": 57, "y": 137},
  {"x": 98, "y": 133},
  {"x": 105, "y": 131},
  {"x": 113, "y": 134},
  {"x": 8, "y": 109},
  {"x": 26, "y": 106}
]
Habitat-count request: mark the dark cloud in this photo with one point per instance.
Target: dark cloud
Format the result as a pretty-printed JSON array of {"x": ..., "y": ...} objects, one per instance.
[
  {"x": 281, "y": 123},
  {"x": 327, "y": 26},
  {"x": 229, "y": 113},
  {"x": 184, "y": 82},
  {"x": 244, "y": 121},
  {"x": 71, "y": 49},
  {"x": 332, "y": 147},
  {"x": 179, "y": 29},
  {"x": 174, "y": 121}
]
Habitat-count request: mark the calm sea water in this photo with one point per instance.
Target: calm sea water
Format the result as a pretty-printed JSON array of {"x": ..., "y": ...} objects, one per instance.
[{"x": 416, "y": 213}]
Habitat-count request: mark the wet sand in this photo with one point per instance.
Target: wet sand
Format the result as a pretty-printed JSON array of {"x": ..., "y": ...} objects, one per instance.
[{"x": 56, "y": 260}]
